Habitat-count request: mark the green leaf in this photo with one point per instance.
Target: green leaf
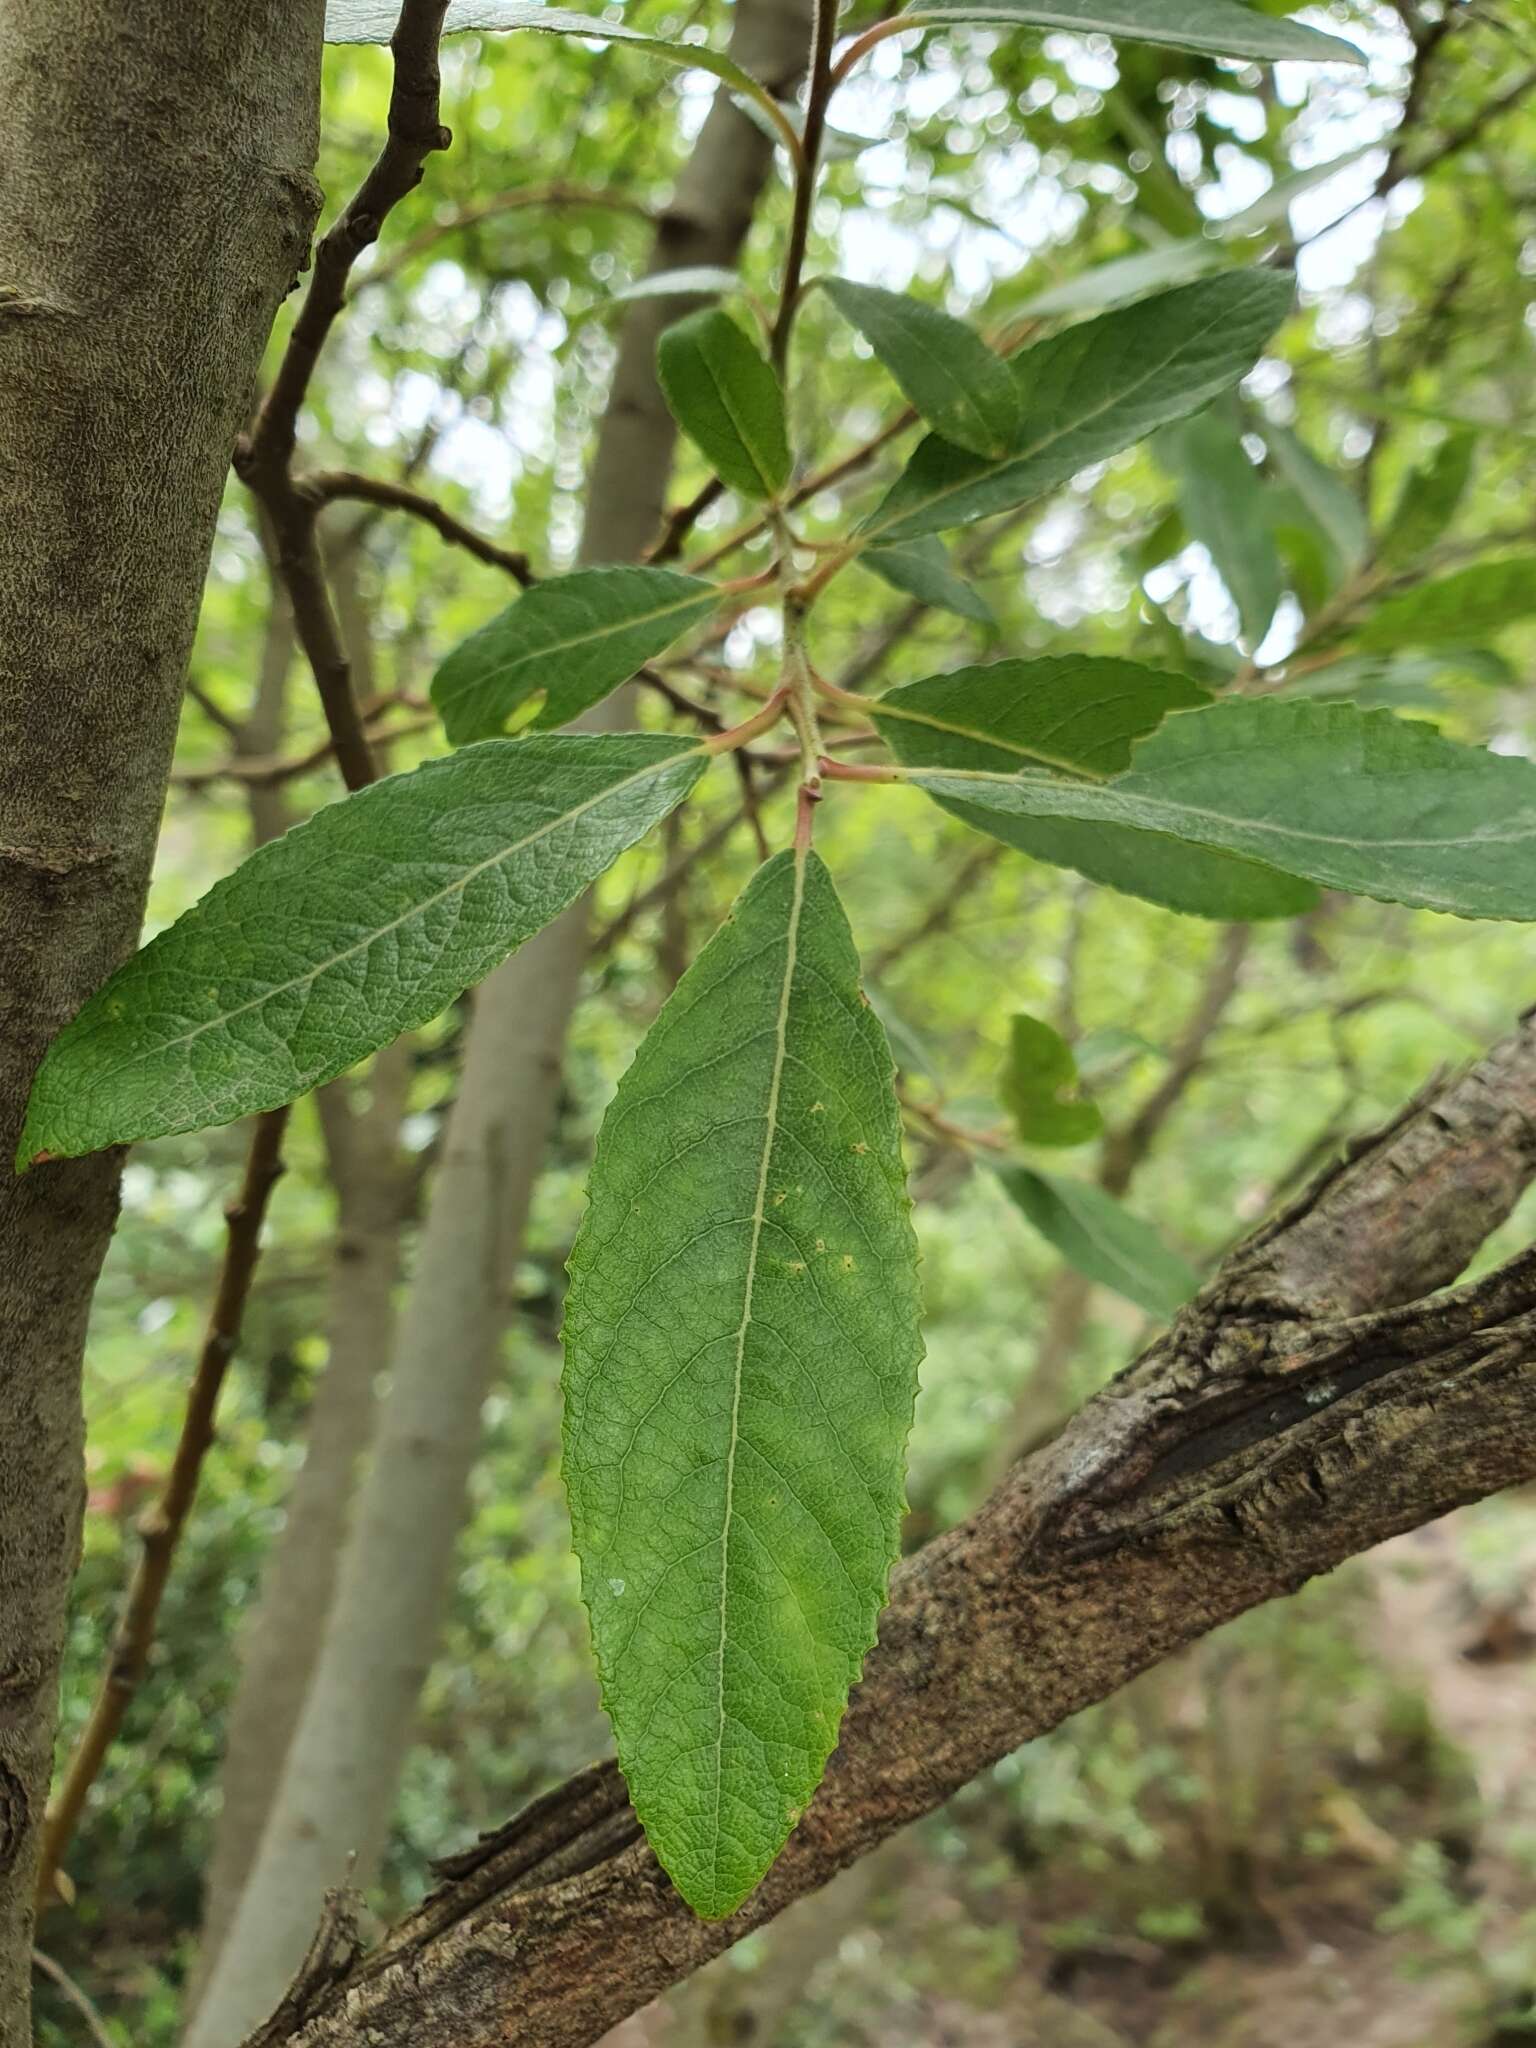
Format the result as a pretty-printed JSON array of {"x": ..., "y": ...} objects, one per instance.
[
  {"x": 1429, "y": 499},
  {"x": 357, "y": 925},
  {"x": 741, "y": 1360},
  {"x": 1219, "y": 28},
  {"x": 947, "y": 372},
  {"x": 373, "y": 21},
  {"x": 922, "y": 569},
  {"x": 1100, "y": 1239},
  {"x": 1461, "y": 608},
  {"x": 1039, "y": 1087},
  {"x": 1355, "y": 800},
  {"x": 1089, "y": 392},
  {"x": 725, "y": 396},
  {"x": 1327, "y": 500},
  {"x": 1226, "y": 507},
  {"x": 574, "y": 638},
  {"x": 1079, "y": 713},
  {"x": 1125, "y": 278},
  {"x": 1273, "y": 206}
]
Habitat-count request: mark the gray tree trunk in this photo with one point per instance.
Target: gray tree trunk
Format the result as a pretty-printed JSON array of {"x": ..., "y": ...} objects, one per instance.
[
  {"x": 156, "y": 200},
  {"x": 338, "y": 1787}
]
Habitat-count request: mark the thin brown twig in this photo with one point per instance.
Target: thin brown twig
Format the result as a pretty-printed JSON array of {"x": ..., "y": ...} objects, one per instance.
[
  {"x": 266, "y": 772},
  {"x": 160, "y": 1529},
  {"x": 58, "y": 1976},
  {"x": 264, "y": 460},
  {"x": 331, "y": 486}
]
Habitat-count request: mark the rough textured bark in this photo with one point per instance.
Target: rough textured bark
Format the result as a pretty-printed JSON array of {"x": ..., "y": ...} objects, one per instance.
[
  {"x": 1312, "y": 1401},
  {"x": 139, "y": 272},
  {"x": 338, "y": 1786}
]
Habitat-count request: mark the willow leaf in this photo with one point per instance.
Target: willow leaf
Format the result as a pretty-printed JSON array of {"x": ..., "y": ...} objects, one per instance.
[
  {"x": 964, "y": 391},
  {"x": 1079, "y": 713},
  {"x": 359, "y": 924},
  {"x": 1101, "y": 1239},
  {"x": 741, "y": 1359},
  {"x": 1218, "y": 28},
  {"x": 1353, "y": 800},
  {"x": 1087, "y": 393},
  {"x": 573, "y": 639}
]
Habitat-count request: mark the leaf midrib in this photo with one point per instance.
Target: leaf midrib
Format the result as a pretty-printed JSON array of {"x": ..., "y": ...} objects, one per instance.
[
  {"x": 759, "y": 1215},
  {"x": 1283, "y": 833},
  {"x": 883, "y": 708}
]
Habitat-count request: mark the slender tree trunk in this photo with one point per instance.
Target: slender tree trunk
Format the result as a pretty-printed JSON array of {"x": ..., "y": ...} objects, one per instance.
[
  {"x": 281, "y": 1643},
  {"x": 375, "y": 1184},
  {"x": 338, "y": 1788},
  {"x": 142, "y": 256}
]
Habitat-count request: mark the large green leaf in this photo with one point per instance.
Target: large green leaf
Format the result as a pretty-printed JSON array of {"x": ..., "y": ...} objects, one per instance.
[
  {"x": 1087, "y": 393},
  {"x": 922, "y": 569},
  {"x": 1355, "y": 800},
  {"x": 964, "y": 391},
  {"x": 574, "y": 638},
  {"x": 1227, "y": 508},
  {"x": 1040, "y": 1089},
  {"x": 357, "y": 925},
  {"x": 741, "y": 1360},
  {"x": 1219, "y": 28},
  {"x": 725, "y": 396},
  {"x": 373, "y": 21},
  {"x": 1101, "y": 1239},
  {"x": 1455, "y": 610},
  {"x": 1079, "y": 713}
]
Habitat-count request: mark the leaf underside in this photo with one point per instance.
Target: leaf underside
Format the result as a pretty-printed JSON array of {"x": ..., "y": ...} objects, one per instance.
[
  {"x": 1220, "y": 28},
  {"x": 741, "y": 1359},
  {"x": 362, "y": 923},
  {"x": 1082, "y": 713},
  {"x": 1353, "y": 800}
]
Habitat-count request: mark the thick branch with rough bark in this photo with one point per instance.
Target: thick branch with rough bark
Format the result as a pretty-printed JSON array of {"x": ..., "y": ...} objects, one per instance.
[{"x": 1319, "y": 1396}]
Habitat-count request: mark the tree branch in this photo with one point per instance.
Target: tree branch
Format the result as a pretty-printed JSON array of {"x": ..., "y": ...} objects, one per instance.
[
  {"x": 264, "y": 461},
  {"x": 327, "y": 486},
  {"x": 1308, "y": 1404}
]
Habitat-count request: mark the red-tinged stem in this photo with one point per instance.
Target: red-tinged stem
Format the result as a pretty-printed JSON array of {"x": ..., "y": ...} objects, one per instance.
[
  {"x": 857, "y": 771},
  {"x": 737, "y": 736},
  {"x": 861, "y": 46},
  {"x": 805, "y": 817}
]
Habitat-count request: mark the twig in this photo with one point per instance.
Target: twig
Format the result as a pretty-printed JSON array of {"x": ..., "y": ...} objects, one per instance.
[
  {"x": 58, "y": 1976},
  {"x": 329, "y": 486},
  {"x": 264, "y": 460},
  {"x": 823, "y": 35},
  {"x": 266, "y": 771},
  {"x": 160, "y": 1529},
  {"x": 1127, "y": 1147}
]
